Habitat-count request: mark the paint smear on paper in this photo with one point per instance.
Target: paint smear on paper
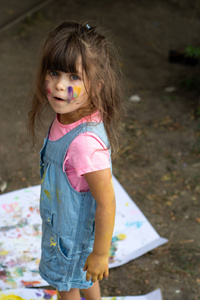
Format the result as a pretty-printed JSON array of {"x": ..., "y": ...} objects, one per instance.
[
  {"x": 137, "y": 224},
  {"x": 10, "y": 207},
  {"x": 19, "y": 272},
  {"x": 49, "y": 293},
  {"x": 4, "y": 252},
  {"x": 113, "y": 247},
  {"x": 10, "y": 297},
  {"x": 29, "y": 283}
]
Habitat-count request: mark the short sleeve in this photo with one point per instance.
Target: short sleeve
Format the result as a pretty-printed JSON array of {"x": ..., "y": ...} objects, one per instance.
[{"x": 87, "y": 153}]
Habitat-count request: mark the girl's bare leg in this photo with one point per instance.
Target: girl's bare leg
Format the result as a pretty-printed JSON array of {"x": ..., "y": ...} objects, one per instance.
[
  {"x": 93, "y": 293},
  {"x": 73, "y": 294}
]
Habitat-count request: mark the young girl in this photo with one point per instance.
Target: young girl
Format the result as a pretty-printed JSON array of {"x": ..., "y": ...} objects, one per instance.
[{"x": 79, "y": 76}]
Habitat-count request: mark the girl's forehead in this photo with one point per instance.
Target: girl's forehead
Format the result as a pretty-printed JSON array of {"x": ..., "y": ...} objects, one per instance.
[{"x": 65, "y": 60}]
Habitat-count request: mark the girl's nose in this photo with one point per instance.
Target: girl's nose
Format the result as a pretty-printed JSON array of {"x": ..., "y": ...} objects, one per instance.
[{"x": 61, "y": 84}]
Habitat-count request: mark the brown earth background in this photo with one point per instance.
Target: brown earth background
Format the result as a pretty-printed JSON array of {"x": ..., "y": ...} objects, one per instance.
[{"x": 158, "y": 161}]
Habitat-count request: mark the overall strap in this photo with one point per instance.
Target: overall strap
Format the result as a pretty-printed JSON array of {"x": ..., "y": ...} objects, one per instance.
[
  {"x": 58, "y": 149},
  {"x": 93, "y": 127}
]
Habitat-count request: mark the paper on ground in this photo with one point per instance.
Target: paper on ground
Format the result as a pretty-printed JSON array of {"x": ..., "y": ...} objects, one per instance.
[
  {"x": 39, "y": 294},
  {"x": 133, "y": 234},
  {"x": 20, "y": 236}
]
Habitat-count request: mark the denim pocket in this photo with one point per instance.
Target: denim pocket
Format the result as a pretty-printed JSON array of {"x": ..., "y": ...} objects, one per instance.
[{"x": 65, "y": 249}]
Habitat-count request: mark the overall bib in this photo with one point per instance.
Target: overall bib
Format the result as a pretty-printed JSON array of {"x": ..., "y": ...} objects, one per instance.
[{"x": 68, "y": 216}]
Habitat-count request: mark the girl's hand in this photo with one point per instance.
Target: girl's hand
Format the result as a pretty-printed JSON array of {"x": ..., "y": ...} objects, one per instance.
[{"x": 96, "y": 267}]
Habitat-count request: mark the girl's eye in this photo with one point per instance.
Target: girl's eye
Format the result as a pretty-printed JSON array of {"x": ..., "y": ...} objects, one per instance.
[
  {"x": 74, "y": 77},
  {"x": 54, "y": 73}
]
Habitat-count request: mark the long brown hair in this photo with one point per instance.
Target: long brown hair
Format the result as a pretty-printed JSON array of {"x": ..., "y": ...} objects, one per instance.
[{"x": 100, "y": 63}]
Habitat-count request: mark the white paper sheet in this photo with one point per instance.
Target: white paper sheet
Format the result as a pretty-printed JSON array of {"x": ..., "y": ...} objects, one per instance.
[
  {"x": 39, "y": 294},
  {"x": 133, "y": 234},
  {"x": 20, "y": 236}
]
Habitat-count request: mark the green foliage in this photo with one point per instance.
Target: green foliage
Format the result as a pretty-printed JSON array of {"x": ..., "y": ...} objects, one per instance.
[
  {"x": 191, "y": 82},
  {"x": 193, "y": 52}
]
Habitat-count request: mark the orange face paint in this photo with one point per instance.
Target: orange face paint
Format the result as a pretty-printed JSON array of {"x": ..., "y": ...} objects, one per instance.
[
  {"x": 73, "y": 92},
  {"x": 77, "y": 91}
]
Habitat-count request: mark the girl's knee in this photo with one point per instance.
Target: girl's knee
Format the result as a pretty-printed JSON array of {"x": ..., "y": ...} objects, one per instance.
[{"x": 73, "y": 294}]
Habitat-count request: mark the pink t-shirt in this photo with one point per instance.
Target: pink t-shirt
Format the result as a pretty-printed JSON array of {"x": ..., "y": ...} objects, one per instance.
[{"x": 82, "y": 155}]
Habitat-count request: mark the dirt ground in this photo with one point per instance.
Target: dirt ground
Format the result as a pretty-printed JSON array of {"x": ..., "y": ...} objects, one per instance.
[{"x": 158, "y": 161}]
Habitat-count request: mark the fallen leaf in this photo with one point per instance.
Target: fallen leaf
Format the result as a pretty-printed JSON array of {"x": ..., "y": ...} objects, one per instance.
[
  {"x": 166, "y": 177},
  {"x": 186, "y": 241},
  {"x": 166, "y": 121}
]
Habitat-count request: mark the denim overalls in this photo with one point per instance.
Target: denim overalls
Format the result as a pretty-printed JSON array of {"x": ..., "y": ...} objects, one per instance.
[{"x": 68, "y": 216}]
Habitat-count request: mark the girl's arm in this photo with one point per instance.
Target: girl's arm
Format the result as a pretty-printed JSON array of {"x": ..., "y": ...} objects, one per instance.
[{"x": 101, "y": 187}]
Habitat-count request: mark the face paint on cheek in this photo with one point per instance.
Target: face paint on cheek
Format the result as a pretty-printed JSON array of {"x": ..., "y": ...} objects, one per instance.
[
  {"x": 70, "y": 93},
  {"x": 47, "y": 88},
  {"x": 77, "y": 91},
  {"x": 73, "y": 93}
]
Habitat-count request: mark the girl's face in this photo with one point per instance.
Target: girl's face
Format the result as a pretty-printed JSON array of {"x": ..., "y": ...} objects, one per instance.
[{"x": 66, "y": 94}]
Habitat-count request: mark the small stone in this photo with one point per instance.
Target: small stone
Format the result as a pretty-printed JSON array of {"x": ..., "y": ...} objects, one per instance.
[
  {"x": 170, "y": 89},
  {"x": 3, "y": 186},
  {"x": 135, "y": 98},
  {"x": 156, "y": 262}
]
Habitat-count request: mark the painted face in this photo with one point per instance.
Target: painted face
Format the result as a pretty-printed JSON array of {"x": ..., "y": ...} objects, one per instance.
[
  {"x": 72, "y": 92},
  {"x": 66, "y": 94}
]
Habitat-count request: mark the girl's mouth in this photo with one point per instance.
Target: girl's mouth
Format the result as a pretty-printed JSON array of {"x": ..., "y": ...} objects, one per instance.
[{"x": 59, "y": 99}]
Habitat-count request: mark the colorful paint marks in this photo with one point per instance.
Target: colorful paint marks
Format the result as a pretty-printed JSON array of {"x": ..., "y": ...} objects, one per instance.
[
  {"x": 47, "y": 88},
  {"x": 137, "y": 224},
  {"x": 114, "y": 246},
  {"x": 57, "y": 195},
  {"x": 52, "y": 241},
  {"x": 28, "y": 284},
  {"x": 73, "y": 92},
  {"x": 20, "y": 236},
  {"x": 10, "y": 207},
  {"x": 70, "y": 93},
  {"x": 10, "y": 297},
  {"x": 20, "y": 239},
  {"x": 48, "y": 194},
  {"x": 77, "y": 91},
  {"x": 49, "y": 293},
  {"x": 28, "y": 294},
  {"x": 40, "y": 294}
]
